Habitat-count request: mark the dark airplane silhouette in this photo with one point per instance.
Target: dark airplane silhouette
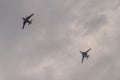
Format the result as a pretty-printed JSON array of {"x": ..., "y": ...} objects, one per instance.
[
  {"x": 84, "y": 54},
  {"x": 26, "y": 20}
]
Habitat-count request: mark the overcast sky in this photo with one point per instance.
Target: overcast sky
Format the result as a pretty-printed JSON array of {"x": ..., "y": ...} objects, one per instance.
[{"x": 48, "y": 49}]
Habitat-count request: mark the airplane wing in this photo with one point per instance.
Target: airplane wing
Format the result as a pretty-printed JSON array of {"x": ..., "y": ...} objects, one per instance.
[
  {"x": 88, "y": 50},
  {"x": 30, "y": 16},
  {"x": 82, "y": 59},
  {"x": 23, "y": 24}
]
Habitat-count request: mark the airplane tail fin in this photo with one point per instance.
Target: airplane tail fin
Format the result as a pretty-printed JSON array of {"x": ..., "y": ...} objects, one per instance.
[
  {"x": 87, "y": 56},
  {"x": 30, "y": 22}
]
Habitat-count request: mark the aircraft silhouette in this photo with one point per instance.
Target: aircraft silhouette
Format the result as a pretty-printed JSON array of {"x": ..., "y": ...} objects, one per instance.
[
  {"x": 84, "y": 54},
  {"x": 26, "y": 20}
]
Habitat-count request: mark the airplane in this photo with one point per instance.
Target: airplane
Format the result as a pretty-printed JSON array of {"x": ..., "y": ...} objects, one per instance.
[
  {"x": 26, "y": 20},
  {"x": 85, "y": 55}
]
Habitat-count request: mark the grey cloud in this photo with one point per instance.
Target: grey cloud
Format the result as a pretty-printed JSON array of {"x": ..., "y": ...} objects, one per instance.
[
  {"x": 95, "y": 23},
  {"x": 51, "y": 37}
]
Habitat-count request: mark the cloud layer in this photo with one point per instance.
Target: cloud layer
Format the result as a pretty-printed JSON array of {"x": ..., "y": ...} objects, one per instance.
[{"x": 48, "y": 49}]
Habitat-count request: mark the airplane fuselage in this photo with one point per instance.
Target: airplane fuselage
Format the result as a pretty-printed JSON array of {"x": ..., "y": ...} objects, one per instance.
[
  {"x": 27, "y": 20},
  {"x": 84, "y": 54}
]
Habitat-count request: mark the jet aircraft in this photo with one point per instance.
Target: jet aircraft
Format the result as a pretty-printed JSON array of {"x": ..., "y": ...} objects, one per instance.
[
  {"x": 26, "y": 20},
  {"x": 85, "y": 55}
]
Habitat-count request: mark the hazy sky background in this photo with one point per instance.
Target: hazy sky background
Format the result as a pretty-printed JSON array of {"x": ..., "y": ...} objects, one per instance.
[{"x": 48, "y": 49}]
